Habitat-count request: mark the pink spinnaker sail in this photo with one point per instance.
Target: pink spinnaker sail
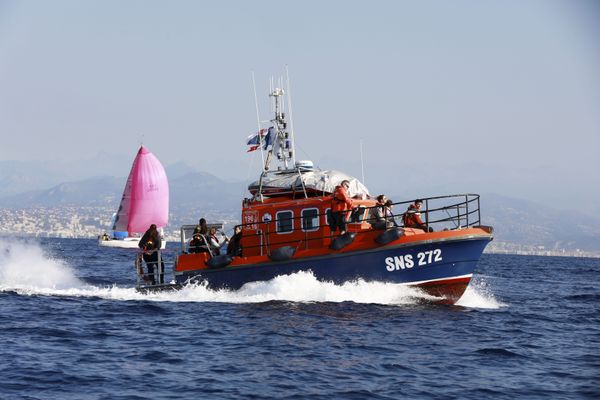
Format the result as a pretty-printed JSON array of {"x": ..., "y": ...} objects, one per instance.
[{"x": 145, "y": 199}]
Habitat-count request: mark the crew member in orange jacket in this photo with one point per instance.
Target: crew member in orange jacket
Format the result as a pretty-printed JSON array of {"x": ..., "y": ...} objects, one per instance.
[
  {"x": 412, "y": 216},
  {"x": 340, "y": 204}
]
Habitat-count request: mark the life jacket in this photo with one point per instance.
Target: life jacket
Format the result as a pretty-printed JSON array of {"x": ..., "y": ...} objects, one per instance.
[
  {"x": 412, "y": 218},
  {"x": 340, "y": 200}
]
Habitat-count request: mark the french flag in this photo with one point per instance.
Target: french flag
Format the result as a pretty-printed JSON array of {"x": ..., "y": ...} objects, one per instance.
[
  {"x": 255, "y": 139},
  {"x": 264, "y": 136}
]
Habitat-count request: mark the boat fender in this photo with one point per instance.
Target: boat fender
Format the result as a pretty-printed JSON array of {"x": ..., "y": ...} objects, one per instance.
[
  {"x": 282, "y": 253},
  {"x": 219, "y": 261},
  {"x": 342, "y": 241},
  {"x": 389, "y": 236}
]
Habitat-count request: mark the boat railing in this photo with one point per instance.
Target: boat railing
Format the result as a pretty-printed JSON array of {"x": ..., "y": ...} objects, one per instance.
[
  {"x": 187, "y": 233},
  {"x": 450, "y": 212},
  {"x": 144, "y": 277}
]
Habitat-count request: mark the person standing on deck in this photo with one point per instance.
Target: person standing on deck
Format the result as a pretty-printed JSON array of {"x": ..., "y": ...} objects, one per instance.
[
  {"x": 341, "y": 203},
  {"x": 150, "y": 243}
]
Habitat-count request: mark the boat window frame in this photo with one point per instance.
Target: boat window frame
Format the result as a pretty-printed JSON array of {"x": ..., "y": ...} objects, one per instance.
[
  {"x": 317, "y": 217},
  {"x": 328, "y": 213},
  {"x": 276, "y": 220}
]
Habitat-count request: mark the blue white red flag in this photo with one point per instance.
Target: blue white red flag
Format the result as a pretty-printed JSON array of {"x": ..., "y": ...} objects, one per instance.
[
  {"x": 255, "y": 139},
  {"x": 269, "y": 138}
]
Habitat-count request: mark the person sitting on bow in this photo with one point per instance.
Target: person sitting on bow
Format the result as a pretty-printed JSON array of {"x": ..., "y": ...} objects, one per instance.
[{"x": 412, "y": 217}]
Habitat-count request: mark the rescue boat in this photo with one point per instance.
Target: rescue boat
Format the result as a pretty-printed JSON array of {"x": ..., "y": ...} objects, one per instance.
[{"x": 286, "y": 227}]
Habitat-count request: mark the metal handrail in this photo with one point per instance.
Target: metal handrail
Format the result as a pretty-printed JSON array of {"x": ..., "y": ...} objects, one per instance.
[
  {"x": 143, "y": 277},
  {"x": 471, "y": 206}
]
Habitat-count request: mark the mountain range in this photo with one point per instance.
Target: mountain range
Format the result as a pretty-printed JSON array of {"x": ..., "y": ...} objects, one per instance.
[{"x": 188, "y": 190}]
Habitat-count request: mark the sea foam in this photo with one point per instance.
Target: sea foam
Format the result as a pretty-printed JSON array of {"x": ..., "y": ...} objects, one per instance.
[{"x": 28, "y": 270}]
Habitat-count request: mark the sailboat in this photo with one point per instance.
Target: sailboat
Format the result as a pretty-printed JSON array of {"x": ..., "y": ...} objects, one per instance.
[{"x": 145, "y": 201}]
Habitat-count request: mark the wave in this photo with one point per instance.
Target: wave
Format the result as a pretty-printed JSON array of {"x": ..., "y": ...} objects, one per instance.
[
  {"x": 479, "y": 295},
  {"x": 26, "y": 267},
  {"x": 28, "y": 270}
]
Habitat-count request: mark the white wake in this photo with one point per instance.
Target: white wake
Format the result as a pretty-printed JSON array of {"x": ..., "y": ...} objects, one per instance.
[{"x": 28, "y": 270}]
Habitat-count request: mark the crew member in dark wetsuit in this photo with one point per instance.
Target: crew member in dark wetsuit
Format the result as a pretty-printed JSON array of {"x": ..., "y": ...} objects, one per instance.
[
  {"x": 234, "y": 247},
  {"x": 340, "y": 204},
  {"x": 199, "y": 242},
  {"x": 150, "y": 243},
  {"x": 201, "y": 228},
  {"x": 412, "y": 217}
]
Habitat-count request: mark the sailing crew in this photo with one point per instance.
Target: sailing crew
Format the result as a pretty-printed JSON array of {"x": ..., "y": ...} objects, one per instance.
[
  {"x": 340, "y": 204},
  {"x": 150, "y": 243},
  {"x": 412, "y": 217}
]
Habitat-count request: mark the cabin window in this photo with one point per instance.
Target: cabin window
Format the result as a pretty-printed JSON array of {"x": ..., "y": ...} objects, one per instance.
[
  {"x": 285, "y": 222},
  {"x": 328, "y": 218},
  {"x": 357, "y": 215},
  {"x": 310, "y": 219}
]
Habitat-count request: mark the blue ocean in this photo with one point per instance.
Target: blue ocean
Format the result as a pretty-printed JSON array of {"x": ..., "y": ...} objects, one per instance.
[{"x": 73, "y": 327}]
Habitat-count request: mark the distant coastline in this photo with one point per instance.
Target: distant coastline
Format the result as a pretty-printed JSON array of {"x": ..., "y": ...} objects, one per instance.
[{"x": 502, "y": 247}]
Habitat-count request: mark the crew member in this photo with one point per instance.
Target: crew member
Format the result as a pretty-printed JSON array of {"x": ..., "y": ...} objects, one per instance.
[
  {"x": 412, "y": 217},
  {"x": 215, "y": 243},
  {"x": 234, "y": 247},
  {"x": 199, "y": 242},
  {"x": 150, "y": 243},
  {"x": 390, "y": 219},
  {"x": 377, "y": 215},
  {"x": 340, "y": 204}
]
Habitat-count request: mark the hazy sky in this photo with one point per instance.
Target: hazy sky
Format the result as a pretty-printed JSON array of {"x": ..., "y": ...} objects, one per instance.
[{"x": 446, "y": 96}]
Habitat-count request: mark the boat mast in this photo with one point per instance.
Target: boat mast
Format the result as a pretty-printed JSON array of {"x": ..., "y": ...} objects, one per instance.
[
  {"x": 282, "y": 144},
  {"x": 289, "y": 94}
]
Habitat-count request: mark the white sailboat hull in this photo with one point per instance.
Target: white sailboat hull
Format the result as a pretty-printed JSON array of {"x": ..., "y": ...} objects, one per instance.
[{"x": 127, "y": 243}]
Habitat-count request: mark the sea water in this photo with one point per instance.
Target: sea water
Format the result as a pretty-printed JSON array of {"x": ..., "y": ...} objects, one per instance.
[{"x": 73, "y": 327}]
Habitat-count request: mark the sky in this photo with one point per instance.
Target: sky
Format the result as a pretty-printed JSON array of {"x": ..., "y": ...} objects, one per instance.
[{"x": 445, "y": 97}]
